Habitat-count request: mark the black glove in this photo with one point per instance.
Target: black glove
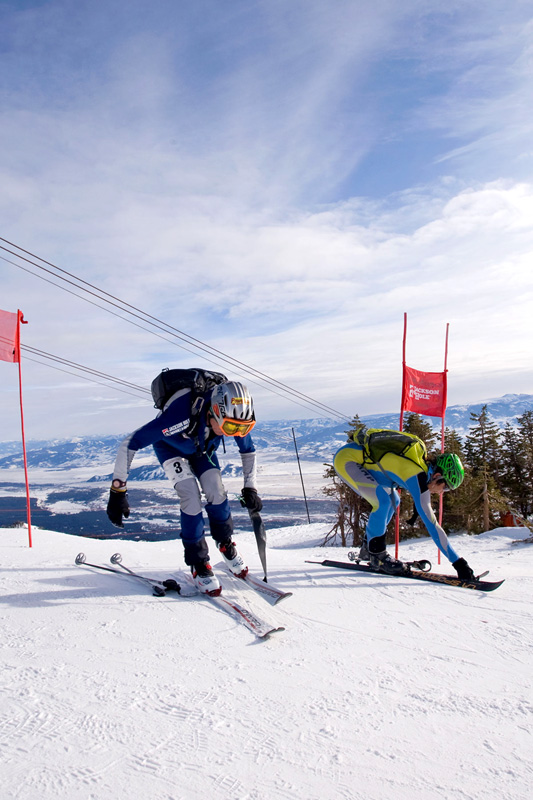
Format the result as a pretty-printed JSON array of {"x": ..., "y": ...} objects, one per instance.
[
  {"x": 251, "y": 500},
  {"x": 464, "y": 573},
  {"x": 118, "y": 507},
  {"x": 411, "y": 521}
]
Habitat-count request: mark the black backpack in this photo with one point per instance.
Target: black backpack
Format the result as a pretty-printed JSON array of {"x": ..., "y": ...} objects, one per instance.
[{"x": 199, "y": 381}]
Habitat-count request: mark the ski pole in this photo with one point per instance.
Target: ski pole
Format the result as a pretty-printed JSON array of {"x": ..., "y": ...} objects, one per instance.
[{"x": 260, "y": 536}]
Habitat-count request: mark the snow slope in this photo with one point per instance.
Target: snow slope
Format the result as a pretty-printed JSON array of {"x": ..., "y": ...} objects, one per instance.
[{"x": 379, "y": 688}]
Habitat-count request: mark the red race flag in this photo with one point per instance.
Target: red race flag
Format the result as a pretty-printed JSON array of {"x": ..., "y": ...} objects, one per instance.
[
  {"x": 10, "y": 351},
  {"x": 9, "y": 336},
  {"x": 424, "y": 392}
]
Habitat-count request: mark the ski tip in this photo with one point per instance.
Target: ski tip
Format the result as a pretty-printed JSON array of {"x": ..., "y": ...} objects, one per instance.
[
  {"x": 270, "y": 632},
  {"x": 283, "y": 597},
  {"x": 489, "y": 586}
]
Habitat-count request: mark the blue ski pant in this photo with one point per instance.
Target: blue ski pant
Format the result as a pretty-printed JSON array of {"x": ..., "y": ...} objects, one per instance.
[{"x": 383, "y": 499}]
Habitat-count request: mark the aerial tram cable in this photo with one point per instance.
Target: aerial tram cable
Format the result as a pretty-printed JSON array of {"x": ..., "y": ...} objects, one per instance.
[
  {"x": 153, "y": 333},
  {"x": 155, "y": 322},
  {"x": 83, "y": 377}
]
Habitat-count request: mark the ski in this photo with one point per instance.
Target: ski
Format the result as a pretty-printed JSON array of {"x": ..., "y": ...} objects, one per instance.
[
  {"x": 269, "y": 592},
  {"x": 156, "y": 586},
  {"x": 417, "y": 575},
  {"x": 260, "y": 627},
  {"x": 254, "y": 623},
  {"x": 257, "y": 625}
]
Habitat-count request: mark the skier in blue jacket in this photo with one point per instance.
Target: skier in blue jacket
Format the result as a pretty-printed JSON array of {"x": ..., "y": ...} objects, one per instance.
[{"x": 188, "y": 456}]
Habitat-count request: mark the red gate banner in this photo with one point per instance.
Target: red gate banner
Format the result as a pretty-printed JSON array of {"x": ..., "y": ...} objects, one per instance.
[
  {"x": 10, "y": 351},
  {"x": 424, "y": 392},
  {"x": 9, "y": 336}
]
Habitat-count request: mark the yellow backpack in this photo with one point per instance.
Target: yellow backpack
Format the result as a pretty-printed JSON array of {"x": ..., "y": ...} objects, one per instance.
[{"x": 377, "y": 442}]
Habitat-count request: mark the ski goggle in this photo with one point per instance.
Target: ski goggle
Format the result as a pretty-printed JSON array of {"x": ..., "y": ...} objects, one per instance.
[
  {"x": 233, "y": 427},
  {"x": 441, "y": 481}
]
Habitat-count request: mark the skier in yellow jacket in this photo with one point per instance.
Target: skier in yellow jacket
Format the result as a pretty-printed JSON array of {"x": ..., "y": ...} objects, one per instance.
[{"x": 378, "y": 462}]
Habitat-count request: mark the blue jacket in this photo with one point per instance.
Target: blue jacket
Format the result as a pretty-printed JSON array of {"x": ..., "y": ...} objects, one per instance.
[{"x": 170, "y": 427}]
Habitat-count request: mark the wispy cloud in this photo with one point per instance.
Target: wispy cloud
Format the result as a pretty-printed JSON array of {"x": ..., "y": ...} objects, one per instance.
[{"x": 203, "y": 163}]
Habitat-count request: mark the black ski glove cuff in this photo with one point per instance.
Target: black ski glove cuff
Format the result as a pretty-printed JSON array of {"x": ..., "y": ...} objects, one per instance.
[
  {"x": 464, "y": 573},
  {"x": 411, "y": 521},
  {"x": 118, "y": 507},
  {"x": 251, "y": 500}
]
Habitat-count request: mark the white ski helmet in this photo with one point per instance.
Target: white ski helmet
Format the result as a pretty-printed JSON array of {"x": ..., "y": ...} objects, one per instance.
[{"x": 232, "y": 408}]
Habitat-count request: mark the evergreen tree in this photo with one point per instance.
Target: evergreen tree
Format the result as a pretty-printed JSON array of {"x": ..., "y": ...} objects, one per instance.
[
  {"x": 525, "y": 433},
  {"x": 518, "y": 464},
  {"x": 415, "y": 424},
  {"x": 483, "y": 491},
  {"x": 514, "y": 472},
  {"x": 453, "y": 443},
  {"x": 483, "y": 448}
]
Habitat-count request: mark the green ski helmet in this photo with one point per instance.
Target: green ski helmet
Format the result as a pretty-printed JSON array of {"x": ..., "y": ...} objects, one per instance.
[{"x": 450, "y": 467}]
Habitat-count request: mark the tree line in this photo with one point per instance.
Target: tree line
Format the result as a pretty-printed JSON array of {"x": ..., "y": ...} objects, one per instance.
[{"x": 498, "y": 479}]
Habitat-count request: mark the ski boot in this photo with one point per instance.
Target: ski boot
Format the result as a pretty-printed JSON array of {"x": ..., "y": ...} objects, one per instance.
[
  {"x": 205, "y": 579},
  {"x": 464, "y": 572},
  {"x": 364, "y": 555},
  {"x": 385, "y": 563},
  {"x": 233, "y": 559}
]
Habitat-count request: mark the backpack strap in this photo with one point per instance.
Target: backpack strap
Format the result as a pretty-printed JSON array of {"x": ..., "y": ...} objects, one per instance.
[{"x": 198, "y": 424}]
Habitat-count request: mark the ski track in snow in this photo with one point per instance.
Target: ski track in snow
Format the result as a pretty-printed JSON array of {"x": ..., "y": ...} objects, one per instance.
[{"x": 378, "y": 688}]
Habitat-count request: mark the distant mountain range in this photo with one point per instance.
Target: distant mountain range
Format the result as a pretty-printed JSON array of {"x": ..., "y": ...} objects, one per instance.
[{"x": 317, "y": 439}]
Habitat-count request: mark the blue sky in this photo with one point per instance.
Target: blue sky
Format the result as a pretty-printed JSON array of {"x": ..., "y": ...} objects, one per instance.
[{"x": 282, "y": 179}]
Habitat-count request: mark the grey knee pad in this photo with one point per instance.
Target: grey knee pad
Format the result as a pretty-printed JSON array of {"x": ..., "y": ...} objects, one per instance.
[
  {"x": 179, "y": 473},
  {"x": 212, "y": 487}
]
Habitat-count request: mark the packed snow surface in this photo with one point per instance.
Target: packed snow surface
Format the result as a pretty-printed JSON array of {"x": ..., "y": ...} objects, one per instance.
[{"x": 379, "y": 687}]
